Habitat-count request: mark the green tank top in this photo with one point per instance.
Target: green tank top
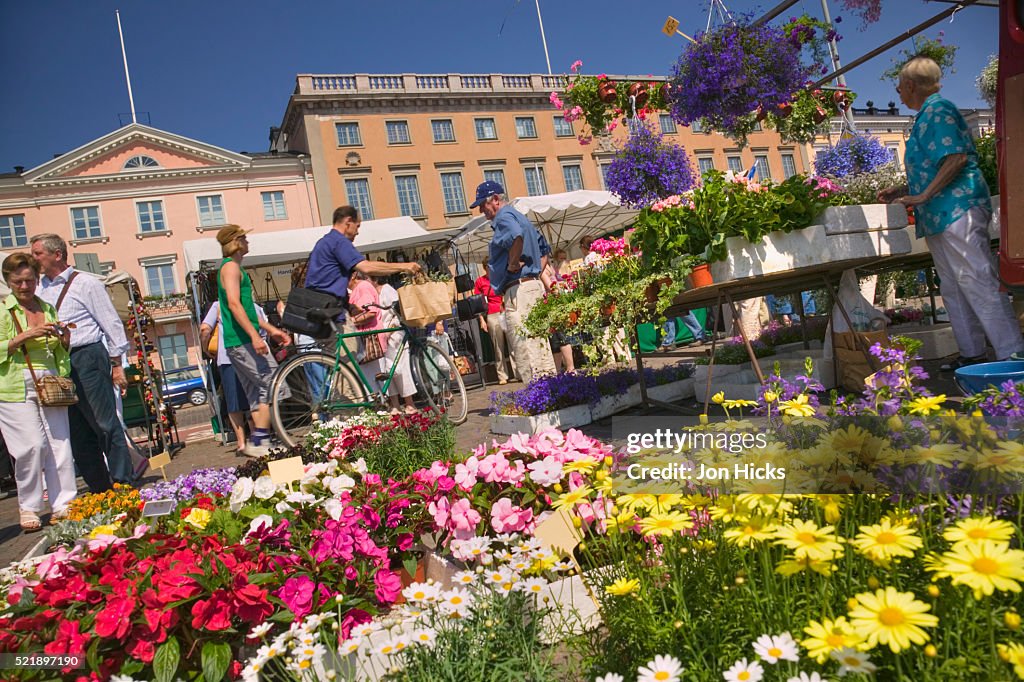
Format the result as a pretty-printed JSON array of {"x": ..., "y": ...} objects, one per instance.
[{"x": 234, "y": 334}]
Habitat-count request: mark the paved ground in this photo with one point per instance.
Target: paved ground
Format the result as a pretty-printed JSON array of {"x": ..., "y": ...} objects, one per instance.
[{"x": 202, "y": 450}]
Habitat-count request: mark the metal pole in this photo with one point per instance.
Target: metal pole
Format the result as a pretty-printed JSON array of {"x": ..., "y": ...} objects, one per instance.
[
  {"x": 124, "y": 57},
  {"x": 833, "y": 49},
  {"x": 542, "y": 38}
]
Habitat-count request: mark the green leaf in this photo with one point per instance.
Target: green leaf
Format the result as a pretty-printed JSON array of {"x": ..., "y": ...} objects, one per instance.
[
  {"x": 216, "y": 657},
  {"x": 165, "y": 661},
  {"x": 409, "y": 563}
]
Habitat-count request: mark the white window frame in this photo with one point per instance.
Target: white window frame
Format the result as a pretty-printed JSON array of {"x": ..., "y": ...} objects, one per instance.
[
  {"x": 387, "y": 132},
  {"x": 602, "y": 171},
  {"x": 14, "y": 240},
  {"x": 565, "y": 179},
  {"x": 541, "y": 175},
  {"x": 159, "y": 350},
  {"x": 163, "y": 215},
  {"x": 476, "y": 130},
  {"x": 533, "y": 123},
  {"x": 284, "y": 205},
  {"x": 559, "y": 120},
  {"x": 729, "y": 160},
  {"x": 419, "y": 193},
  {"x": 792, "y": 160},
  {"x": 697, "y": 128},
  {"x": 363, "y": 213},
  {"x": 762, "y": 177},
  {"x": 711, "y": 164},
  {"x": 160, "y": 261},
  {"x": 496, "y": 170},
  {"x": 124, "y": 166},
  {"x": 894, "y": 147},
  {"x": 441, "y": 121},
  {"x": 463, "y": 207},
  {"x": 670, "y": 129},
  {"x": 337, "y": 137},
  {"x": 223, "y": 210},
  {"x": 99, "y": 217}
]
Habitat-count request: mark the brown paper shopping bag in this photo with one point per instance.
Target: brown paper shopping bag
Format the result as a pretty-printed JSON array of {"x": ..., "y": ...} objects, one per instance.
[
  {"x": 854, "y": 367},
  {"x": 424, "y": 303}
]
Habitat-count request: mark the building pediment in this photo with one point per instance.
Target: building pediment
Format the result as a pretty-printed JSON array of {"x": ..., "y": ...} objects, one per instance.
[{"x": 137, "y": 152}]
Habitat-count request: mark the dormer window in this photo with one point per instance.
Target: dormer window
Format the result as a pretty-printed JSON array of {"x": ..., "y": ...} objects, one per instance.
[{"x": 141, "y": 162}]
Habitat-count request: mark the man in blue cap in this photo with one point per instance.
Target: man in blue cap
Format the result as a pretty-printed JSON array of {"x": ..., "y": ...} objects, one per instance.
[{"x": 515, "y": 267}]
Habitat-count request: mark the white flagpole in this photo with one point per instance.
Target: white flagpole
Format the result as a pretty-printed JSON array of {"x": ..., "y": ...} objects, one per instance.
[
  {"x": 542, "y": 38},
  {"x": 124, "y": 56}
]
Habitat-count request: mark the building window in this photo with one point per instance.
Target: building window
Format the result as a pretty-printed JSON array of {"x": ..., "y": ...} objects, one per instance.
[
  {"x": 398, "y": 132},
  {"x": 764, "y": 171},
  {"x": 604, "y": 174},
  {"x": 573, "y": 177},
  {"x": 496, "y": 175},
  {"x": 160, "y": 279},
  {"x": 757, "y": 126},
  {"x": 173, "y": 351},
  {"x": 408, "y": 187},
  {"x": 697, "y": 126},
  {"x": 454, "y": 193},
  {"x": 443, "y": 129},
  {"x": 211, "y": 210},
  {"x": 85, "y": 222},
  {"x": 141, "y": 162},
  {"x": 358, "y": 192},
  {"x": 536, "y": 184},
  {"x": 668, "y": 126},
  {"x": 788, "y": 166},
  {"x": 485, "y": 129},
  {"x": 526, "y": 128},
  {"x": 735, "y": 164},
  {"x": 563, "y": 128},
  {"x": 894, "y": 149},
  {"x": 273, "y": 205},
  {"x": 12, "y": 231},
  {"x": 151, "y": 216},
  {"x": 705, "y": 164},
  {"x": 348, "y": 134}
]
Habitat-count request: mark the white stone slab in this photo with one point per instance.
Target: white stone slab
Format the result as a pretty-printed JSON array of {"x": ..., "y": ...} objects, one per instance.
[
  {"x": 736, "y": 391},
  {"x": 574, "y": 610},
  {"x": 863, "y": 218},
  {"x": 853, "y": 245},
  {"x": 778, "y": 252},
  {"x": 700, "y": 372},
  {"x": 938, "y": 341},
  {"x": 577, "y": 415},
  {"x": 669, "y": 393},
  {"x": 613, "y": 404}
]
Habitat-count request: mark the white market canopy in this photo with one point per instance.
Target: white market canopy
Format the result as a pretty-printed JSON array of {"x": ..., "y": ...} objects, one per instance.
[
  {"x": 563, "y": 219},
  {"x": 287, "y": 246}
]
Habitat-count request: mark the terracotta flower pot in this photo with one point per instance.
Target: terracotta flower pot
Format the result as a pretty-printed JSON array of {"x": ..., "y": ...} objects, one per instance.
[
  {"x": 700, "y": 276},
  {"x": 639, "y": 91},
  {"x": 608, "y": 310},
  {"x": 840, "y": 98},
  {"x": 651, "y": 292},
  {"x": 760, "y": 114},
  {"x": 574, "y": 317},
  {"x": 784, "y": 110},
  {"x": 606, "y": 92},
  {"x": 663, "y": 92},
  {"x": 421, "y": 572},
  {"x": 820, "y": 115}
]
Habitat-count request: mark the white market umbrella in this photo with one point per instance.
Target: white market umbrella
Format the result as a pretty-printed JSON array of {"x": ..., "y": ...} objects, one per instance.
[{"x": 563, "y": 219}]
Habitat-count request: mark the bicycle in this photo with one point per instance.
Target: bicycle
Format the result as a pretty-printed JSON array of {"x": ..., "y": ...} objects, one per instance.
[{"x": 316, "y": 385}]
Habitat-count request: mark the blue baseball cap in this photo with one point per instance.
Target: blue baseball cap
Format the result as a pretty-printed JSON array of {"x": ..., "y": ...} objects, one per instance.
[{"x": 486, "y": 190}]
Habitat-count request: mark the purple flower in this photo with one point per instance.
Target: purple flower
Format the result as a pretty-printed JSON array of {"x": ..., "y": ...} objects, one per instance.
[
  {"x": 852, "y": 156},
  {"x": 185, "y": 487},
  {"x": 648, "y": 168}
]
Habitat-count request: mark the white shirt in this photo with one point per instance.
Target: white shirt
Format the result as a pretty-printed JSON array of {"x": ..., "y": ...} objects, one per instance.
[
  {"x": 88, "y": 305},
  {"x": 212, "y": 319},
  {"x": 388, "y": 296}
]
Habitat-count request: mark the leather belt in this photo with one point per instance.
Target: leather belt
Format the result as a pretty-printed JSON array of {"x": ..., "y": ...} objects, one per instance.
[{"x": 529, "y": 278}]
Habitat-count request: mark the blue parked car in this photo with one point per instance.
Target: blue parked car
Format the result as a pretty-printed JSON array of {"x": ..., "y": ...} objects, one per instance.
[{"x": 183, "y": 386}]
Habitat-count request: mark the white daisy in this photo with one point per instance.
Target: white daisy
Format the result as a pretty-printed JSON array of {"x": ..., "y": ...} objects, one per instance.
[
  {"x": 499, "y": 576},
  {"x": 350, "y": 646},
  {"x": 804, "y": 677},
  {"x": 661, "y": 669},
  {"x": 365, "y": 630},
  {"x": 419, "y": 593},
  {"x": 741, "y": 671},
  {"x": 610, "y": 677},
  {"x": 424, "y": 636},
  {"x": 260, "y": 630},
  {"x": 853, "y": 661},
  {"x": 464, "y": 578},
  {"x": 532, "y": 585},
  {"x": 456, "y": 602},
  {"x": 773, "y": 648}
]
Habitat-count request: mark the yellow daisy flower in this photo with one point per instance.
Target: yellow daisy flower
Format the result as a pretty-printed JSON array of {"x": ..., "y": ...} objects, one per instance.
[
  {"x": 985, "y": 566},
  {"x": 583, "y": 466},
  {"x": 755, "y": 529},
  {"x": 926, "y": 405},
  {"x": 810, "y": 542},
  {"x": 1013, "y": 654},
  {"x": 892, "y": 618},
  {"x": 797, "y": 407},
  {"x": 623, "y": 587},
  {"x": 884, "y": 541},
  {"x": 978, "y": 528},
  {"x": 827, "y": 636},
  {"x": 938, "y": 454},
  {"x": 790, "y": 567},
  {"x": 572, "y": 498},
  {"x": 665, "y": 524}
]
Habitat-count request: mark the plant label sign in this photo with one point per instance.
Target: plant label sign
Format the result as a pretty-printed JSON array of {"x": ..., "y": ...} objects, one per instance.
[
  {"x": 159, "y": 462},
  {"x": 670, "y": 27},
  {"x": 558, "y": 532},
  {"x": 159, "y": 507},
  {"x": 286, "y": 470}
]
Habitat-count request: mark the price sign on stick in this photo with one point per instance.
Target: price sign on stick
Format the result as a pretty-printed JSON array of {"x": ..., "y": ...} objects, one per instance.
[
  {"x": 159, "y": 462},
  {"x": 159, "y": 507},
  {"x": 286, "y": 470},
  {"x": 670, "y": 27}
]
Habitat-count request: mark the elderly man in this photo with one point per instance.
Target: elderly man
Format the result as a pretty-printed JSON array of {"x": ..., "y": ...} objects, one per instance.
[
  {"x": 97, "y": 343},
  {"x": 515, "y": 259},
  {"x": 952, "y": 206}
]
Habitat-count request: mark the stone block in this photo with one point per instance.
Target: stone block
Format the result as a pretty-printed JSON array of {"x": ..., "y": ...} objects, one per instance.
[
  {"x": 778, "y": 252},
  {"x": 574, "y": 611},
  {"x": 613, "y": 404},
  {"x": 669, "y": 393},
  {"x": 736, "y": 391},
  {"x": 853, "y": 245},
  {"x": 937, "y": 340},
  {"x": 577, "y": 415},
  {"x": 863, "y": 218},
  {"x": 700, "y": 372}
]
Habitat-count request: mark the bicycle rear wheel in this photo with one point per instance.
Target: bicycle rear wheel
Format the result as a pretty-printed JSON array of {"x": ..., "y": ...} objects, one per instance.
[
  {"x": 312, "y": 387},
  {"x": 439, "y": 382}
]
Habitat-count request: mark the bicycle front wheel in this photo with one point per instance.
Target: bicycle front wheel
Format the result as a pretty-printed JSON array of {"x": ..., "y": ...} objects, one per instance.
[
  {"x": 439, "y": 382},
  {"x": 309, "y": 388}
]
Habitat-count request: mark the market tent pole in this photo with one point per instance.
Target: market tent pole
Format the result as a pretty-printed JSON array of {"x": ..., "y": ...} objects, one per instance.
[
  {"x": 211, "y": 385},
  {"x": 158, "y": 401}
]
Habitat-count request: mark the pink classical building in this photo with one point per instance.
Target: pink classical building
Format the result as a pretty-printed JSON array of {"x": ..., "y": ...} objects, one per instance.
[{"x": 128, "y": 200}]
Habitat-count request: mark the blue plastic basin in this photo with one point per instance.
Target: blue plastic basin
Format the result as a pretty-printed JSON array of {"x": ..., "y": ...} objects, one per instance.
[{"x": 975, "y": 378}]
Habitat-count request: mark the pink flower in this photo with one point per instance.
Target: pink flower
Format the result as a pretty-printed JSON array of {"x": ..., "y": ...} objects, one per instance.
[
  {"x": 388, "y": 585},
  {"x": 440, "y": 510},
  {"x": 553, "y": 98},
  {"x": 576, "y": 65},
  {"x": 508, "y": 518},
  {"x": 297, "y": 594},
  {"x": 493, "y": 468},
  {"x": 464, "y": 519},
  {"x": 584, "y": 139},
  {"x": 545, "y": 472}
]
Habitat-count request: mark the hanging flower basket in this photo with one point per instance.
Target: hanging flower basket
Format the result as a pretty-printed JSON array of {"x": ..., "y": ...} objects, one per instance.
[
  {"x": 638, "y": 91},
  {"x": 606, "y": 91}
]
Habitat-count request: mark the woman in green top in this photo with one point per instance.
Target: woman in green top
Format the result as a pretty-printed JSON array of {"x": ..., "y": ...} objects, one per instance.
[{"x": 37, "y": 437}]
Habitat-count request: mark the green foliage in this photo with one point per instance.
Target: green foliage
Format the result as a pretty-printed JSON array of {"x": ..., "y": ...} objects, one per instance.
[
  {"x": 863, "y": 188},
  {"x": 986, "y": 146},
  {"x": 811, "y": 114},
  {"x": 400, "y": 452},
  {"x": 988, "y": 79},
  {"x": 934, "y": 48}
]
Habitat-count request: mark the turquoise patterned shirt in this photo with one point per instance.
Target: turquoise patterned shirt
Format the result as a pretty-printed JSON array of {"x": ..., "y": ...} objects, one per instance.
[{"x": 939, "y": 130}]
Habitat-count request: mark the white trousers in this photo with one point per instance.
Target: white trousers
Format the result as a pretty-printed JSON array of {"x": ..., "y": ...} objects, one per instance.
[
  {"x": 532, "y": 356},
  {"x": 970, "y": 288},
  {"x": 401, "y": 384},
  {"x": 496, "y": 330},
  {"x": 39, "y": 440}
]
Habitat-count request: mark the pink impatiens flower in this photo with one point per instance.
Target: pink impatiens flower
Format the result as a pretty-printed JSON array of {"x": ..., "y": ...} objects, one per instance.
[
  {"x": 545, "y": 472},
  {"x": 508, "y": 518},
  {"x": 464, "y": 519}
]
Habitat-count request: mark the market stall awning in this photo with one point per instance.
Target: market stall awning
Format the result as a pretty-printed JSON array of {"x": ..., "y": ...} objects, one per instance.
[
  {"x": 563, "y": 219},
  {"x": 286, "y": 246}
]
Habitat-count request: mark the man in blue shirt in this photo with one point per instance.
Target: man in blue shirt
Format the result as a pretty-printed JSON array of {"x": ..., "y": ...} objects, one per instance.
[
  {"x": 515, "y": 260},
  {"x": 335, "y": 257}
]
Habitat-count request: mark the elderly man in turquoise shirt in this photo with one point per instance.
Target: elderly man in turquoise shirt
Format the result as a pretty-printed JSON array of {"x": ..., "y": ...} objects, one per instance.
[
  {"x": 952, "y": 208},
  {"x": 515, "y": 266}
]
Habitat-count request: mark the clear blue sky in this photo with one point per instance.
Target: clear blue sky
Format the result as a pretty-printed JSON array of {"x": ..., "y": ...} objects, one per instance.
[{"x": 221, "y": 71}]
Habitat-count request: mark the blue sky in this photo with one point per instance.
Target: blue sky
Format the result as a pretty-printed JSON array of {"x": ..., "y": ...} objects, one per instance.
[{"x": 221, "y": 71}]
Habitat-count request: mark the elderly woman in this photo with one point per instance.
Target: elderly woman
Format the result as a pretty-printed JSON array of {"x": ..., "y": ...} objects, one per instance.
[
  {"x": 33, "y": 342},
  {"x": 952, "y": 208}
]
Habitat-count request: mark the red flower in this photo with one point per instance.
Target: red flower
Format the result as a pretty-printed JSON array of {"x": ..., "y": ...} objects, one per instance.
[
  {"x": 214, "y": 613},
  {"x": 68, "y": 640},
  {"x": 250, "y": 601},
  {"x": 116, "y": 619}
]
